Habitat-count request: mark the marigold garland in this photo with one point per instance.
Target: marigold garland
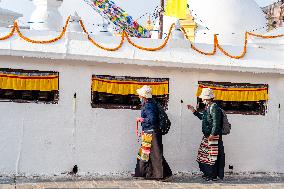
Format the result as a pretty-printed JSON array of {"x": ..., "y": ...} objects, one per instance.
[
  {"x": 217, "y": 44},
  {"x": 207, "y": 53},
  {"x": 197, "y": 50},
  {"x": 42, "y": 41},
  {"x": 9, "y": 34},
  {"x": 265, "y": 36},
  {"x": 16, "y": 28},
  {"x": 232, "y": 56},
  {"x": 151, "y": 48},
  {"x": 99, "y": 46}
]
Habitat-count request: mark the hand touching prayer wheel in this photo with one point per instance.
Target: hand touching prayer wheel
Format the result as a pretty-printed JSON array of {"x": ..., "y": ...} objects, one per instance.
[{"x": 211, "y": 157}]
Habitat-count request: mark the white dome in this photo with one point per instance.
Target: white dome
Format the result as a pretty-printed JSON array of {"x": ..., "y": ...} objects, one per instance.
[{"x": 228, "y": 18}]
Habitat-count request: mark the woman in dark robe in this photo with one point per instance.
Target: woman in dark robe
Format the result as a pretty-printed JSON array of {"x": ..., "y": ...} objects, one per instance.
[
  {"x": 151, "y": 163},
  {"x": 211, "y": 157}
]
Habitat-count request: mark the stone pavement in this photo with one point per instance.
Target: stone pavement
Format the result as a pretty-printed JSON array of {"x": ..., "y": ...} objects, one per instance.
[{"x": 255, "y": 181}]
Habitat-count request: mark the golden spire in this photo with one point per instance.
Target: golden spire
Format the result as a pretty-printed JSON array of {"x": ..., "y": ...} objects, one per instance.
[
  {"x": 149, "y": 26},
  {"x": 189, "y": 25}
]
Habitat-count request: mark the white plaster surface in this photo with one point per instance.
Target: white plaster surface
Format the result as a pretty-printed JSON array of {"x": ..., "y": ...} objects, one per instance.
[
  {"x": 50, "y": 139},
  {"x": 46, "y": 139}
]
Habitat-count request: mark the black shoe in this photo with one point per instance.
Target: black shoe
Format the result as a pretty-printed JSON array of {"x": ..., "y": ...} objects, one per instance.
[
  {"x": 204, "y": 176},
  {"x": 210, "y": 179},
  {"x": 214, "y": 179},
  {"x": 207, "y": 179}
]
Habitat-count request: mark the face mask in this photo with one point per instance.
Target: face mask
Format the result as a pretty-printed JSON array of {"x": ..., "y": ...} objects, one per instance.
[
  {"x": 142, "y": 100},
  {"x": 206, "y": 102}
]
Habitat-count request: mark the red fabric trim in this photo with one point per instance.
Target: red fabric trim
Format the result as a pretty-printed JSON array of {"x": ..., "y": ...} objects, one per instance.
[
  {"x": 131, "y": 82},
  {"x": 225, "y": 89},
  {"x": 30, "y": 77}
]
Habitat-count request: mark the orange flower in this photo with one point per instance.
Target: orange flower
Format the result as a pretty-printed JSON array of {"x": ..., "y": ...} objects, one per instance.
[
  {"x": 99, "y": 46},
  {"x": 42, "y": 41},
  {"x": 9, "y": 34}
]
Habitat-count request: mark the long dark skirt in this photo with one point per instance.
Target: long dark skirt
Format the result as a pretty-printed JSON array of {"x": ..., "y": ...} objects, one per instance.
[
  {"x": 216, "y": 170},
  {"x": 157, "y": 167}
]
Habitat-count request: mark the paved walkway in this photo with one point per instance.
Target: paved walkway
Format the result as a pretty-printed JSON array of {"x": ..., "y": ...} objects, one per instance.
[{"x": 256, "y": 181}]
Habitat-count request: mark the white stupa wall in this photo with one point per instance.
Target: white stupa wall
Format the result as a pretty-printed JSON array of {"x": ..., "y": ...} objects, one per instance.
[
  {"x": 48, "y": 139},
  {"x": 74, "y": 23}
]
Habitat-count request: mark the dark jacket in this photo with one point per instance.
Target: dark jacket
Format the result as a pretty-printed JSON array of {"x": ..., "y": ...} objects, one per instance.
[
  {"x": 212, "y": 120},
  {"x": 149, "y": 112}
]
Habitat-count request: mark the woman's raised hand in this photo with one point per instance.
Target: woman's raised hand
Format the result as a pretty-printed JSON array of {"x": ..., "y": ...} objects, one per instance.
[
  {"x": 139, "y": 119},
  {"x": 191, "y": 108}
]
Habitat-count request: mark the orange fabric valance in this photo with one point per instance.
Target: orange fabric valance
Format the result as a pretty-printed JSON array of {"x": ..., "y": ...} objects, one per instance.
[
  {"x": 29, "y": 82},
  {"x": 128, "y": 87},
  {"x": 237, "y": 94}
]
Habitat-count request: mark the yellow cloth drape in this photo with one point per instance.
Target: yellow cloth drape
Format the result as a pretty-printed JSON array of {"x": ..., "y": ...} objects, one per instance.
[
  {"x": 237, "y": 94},
  {"x": 176, "y": 8},
  {"x": 128, "y": 87},
  {"x": 19, "y": 82}
]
